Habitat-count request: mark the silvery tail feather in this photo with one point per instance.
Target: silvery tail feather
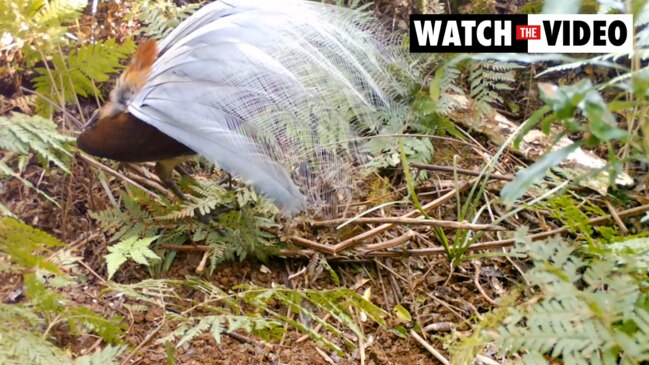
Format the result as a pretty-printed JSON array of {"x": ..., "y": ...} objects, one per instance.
[{"x": 273, "y": 92}]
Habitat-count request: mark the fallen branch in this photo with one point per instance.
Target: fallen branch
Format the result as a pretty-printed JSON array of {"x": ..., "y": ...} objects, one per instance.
[
  {"x": 354, "y": 241},
  {"x": 426, "y": 222},
  {"x": 390, "y": 243},
  {"x": 428, "y": 167},
  {"x": 115, "y": 173},
  {"x": 429, "y": 347},
  {"x": 371, "y": 251}
]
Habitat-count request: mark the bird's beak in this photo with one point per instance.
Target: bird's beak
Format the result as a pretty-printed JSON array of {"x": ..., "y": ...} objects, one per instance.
[{"x": 93, "y": 118}]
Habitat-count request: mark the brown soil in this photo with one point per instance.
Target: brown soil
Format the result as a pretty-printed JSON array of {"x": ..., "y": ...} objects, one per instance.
[{"x": 422, "y": 285}]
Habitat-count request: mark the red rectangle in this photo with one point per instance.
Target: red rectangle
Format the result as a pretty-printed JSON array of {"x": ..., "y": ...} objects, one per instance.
[{"x": 526, "y": 32}]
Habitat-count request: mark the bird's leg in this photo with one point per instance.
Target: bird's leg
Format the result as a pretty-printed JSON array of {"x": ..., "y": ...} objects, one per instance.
[
  {"x": 181, "y": 171},
  {"x": 164, "y": 169},
  {"x": 227, "y": 179}
]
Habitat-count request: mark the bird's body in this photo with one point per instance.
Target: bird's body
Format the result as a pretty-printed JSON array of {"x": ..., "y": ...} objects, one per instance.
[{"x": 267, "y": 90}]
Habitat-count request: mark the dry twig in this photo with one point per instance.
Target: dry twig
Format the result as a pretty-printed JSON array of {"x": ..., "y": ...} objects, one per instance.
[
  {"x": 429, "y": 347},
  {"x": 354, "y": 241}
]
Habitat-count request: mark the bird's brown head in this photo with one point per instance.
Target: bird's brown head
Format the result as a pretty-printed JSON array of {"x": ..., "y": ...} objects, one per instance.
[
  {"x": 131, "y": 80},
  {"x": 114, "y": 133}
]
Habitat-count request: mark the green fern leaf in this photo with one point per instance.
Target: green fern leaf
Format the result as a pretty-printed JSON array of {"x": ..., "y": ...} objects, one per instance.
[
  {"x": 107, "y": 356},
  {"x": 130, "y": 248},
  {"x": 162, "y": 16},
  {"x": 78, "y": 72}
]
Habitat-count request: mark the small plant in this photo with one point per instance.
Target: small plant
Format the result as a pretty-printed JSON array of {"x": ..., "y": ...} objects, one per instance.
[
  {"x": 27, "y": 323},
  {"x": 78, "y": 72},
  {"x": 162, "y": 16},
  {"x": 265, "y": 312},
  {"x": 131, "y": 248},
  {"x": 42, "y": 32},
  {"x": 238, "y": 228},
  {"x": 587, "y": 304},
  {"x": 590, "y": 309},
  {"x": 565, "y": 104},
  {"x": 24, "y": 136}
]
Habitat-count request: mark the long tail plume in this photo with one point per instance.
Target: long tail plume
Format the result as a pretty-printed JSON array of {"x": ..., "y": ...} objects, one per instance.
[{"x": 275, "y": 92}]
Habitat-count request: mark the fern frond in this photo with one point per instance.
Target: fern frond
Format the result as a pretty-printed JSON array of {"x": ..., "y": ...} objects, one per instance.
[
  {"x": 22, "y": 242},
  {"x": 107, "y": 356},
  {"x": 130, "y": 248},
  {"x": 29, "y": 251},
  {"x": 488, "y": 77},
  {"x": 589, "y": 311},
  {"x": 78, "y": 72},
  {"x": 58, "y": 12},
  {"x": 162, "y": 16},
  {"x": 254, "y": 309},
  {"x": 24, "y": 347},
  {"x": 38, "y": 26},
  {"x": 20, "y": 133}
]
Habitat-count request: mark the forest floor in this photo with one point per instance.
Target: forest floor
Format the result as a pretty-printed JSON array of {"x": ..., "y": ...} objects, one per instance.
[{"x": 440, "y": 299}]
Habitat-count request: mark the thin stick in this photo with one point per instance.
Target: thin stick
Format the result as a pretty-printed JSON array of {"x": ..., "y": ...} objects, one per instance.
[
  {"x": 244, "y": 339},
  {"x": 423, "y": 251},
  {"x": 203, "y": 248},
  {"x": 91, "y": 270},
  {"x": 429, "y": 347},
  {"x": 391, "y": 243},
  {"x": 312, "y": 245},
  {"x": 325, "y": 357},
  {"x": 150, "y": 183},
  {"x": 439, "y": 327},
  {"x": 353, "y": 241},
  {"x": 616, "y": 217},
  {"x": 476, "y": 282},
  {"x": 428, "y": 167},
  {"x": 146, "y": 339},
  {"x": 595, "y": 221},
  {"x": 505, "y": 243},
  {"x": 421, "y": 222},
  {"x": 76, "y": 121},
  {"x": 115, "y": 173},
  {"x": 201, "y": 265},
  {"x": 305, "y": 242}
]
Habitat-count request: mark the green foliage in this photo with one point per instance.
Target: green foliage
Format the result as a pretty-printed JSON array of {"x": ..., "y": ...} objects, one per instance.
[
  {"x": 24, "y": 347},
  {"x": 566, "y": 104},
  {"x": 574, "y": 214},
  {"x": 26, "y": 327},
  {"x": 584, "y": 98},
  {"x": 162, "y": 16},
  {"x": 590, "y": 308},
  {"x": 587, "y": 304},
  {"x": 21, "y": 134},
  {"x": 40, "y": 29},
  {"x": 465, "y": 348},
  {"x": 77, "y": 72},
  {"x": 611, "y": 115},
  {"x": 22, "y": 242},
  {"x": 261, "y": 311},
  {"x": 37, "y": 25},
  {"x": 238, "y": 225},
  {"x": 529, "y": 176},
  {"x": 637, "y": 248},
  {"x": 488, "y": 79},
  {"x": 131, "y": 248},
  {"x": 19, "y": 347},
  {"x": 107, "y": 356}
]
